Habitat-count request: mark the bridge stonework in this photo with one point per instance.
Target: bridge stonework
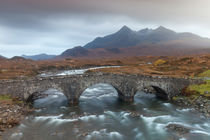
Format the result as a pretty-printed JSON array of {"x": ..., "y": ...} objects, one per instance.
[{"x": 73, "y": 86}]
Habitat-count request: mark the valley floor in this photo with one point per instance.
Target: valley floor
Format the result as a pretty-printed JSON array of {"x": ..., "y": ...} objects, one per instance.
[{"x": 186, "y": 66}]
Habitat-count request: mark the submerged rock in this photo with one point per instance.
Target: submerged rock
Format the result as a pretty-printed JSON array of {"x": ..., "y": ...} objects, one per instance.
[{"x": 180, "y": 129}]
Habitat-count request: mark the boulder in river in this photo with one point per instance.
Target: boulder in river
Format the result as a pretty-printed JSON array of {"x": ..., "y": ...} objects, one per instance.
[{"x": 180, "y": 129}]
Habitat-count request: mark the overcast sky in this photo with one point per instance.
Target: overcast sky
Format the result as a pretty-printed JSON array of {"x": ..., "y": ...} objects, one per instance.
[{"x": 52, "y": 26}]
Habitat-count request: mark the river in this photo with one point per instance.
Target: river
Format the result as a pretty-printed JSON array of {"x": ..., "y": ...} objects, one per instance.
[
  {"x": 101, "y": 116},
  {"x": 73, "y": 72}
]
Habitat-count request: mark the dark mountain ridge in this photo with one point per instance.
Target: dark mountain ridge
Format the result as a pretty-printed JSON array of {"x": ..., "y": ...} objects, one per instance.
[
  {"x": 156, "y": 42},
  {"x": 126, "y": 37}
]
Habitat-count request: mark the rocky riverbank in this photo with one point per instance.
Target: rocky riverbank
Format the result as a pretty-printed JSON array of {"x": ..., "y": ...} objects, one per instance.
[
  {"x": 197, "y": 102},
  {"x": 12, "y": 111}
]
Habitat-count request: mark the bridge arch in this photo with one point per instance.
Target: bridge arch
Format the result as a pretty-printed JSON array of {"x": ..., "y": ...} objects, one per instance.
[
  {"x": 125, "y": 93},
  {"x": 159, "y": 92},
  {"x": 40, "y": 92},
  {"x": 107, "y": 89},
  {"x": 115, "y": 87},
  {"x": 50, "y": 99}
]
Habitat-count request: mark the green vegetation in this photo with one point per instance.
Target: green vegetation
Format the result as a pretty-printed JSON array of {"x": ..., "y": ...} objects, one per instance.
[
  {"x": 202, "y": 89},
  {"x": 5, "y": 98},
  {"x": 9, "y": 99},
  {"x": 159, "y": 62},
  {"x": 205, "y": 74}
]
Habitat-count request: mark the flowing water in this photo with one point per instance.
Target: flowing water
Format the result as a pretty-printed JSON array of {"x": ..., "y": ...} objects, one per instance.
[
  {"x": 101, "y": 116},
  {"x": 73, "y": 72}
]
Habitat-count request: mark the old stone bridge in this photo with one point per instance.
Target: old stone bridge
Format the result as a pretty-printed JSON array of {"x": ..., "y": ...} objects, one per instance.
[{"x": 73, "y": 86}]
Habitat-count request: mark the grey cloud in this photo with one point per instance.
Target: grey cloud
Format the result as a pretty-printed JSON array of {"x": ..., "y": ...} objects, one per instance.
[
  {"x": 149, "y": 10},
  {"x": 66, "y": 23}
]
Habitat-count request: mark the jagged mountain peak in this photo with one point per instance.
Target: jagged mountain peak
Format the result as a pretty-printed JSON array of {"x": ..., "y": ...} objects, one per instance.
[
  {"x": 163, "y": 29},
  {"x": 144, "y": 31},
  {"x": 125, "y": 29}
]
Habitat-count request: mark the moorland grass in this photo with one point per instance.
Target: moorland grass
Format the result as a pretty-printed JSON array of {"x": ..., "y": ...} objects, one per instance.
[{"x": 202, "y": 89}]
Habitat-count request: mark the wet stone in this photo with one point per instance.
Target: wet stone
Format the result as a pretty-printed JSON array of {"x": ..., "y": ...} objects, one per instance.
[{"x": 178, "y": 128}]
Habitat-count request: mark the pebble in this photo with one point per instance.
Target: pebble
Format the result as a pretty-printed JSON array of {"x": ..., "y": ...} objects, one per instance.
[{"x": 11, "y": 114}]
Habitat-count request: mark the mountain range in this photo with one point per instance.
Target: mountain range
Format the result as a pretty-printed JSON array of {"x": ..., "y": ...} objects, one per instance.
[
  {"x": 39, "y": 57},
  {"x": 126, "y": 37},
  {"x": 127, "y": 42},
  {"x": 156, "y": 42}
]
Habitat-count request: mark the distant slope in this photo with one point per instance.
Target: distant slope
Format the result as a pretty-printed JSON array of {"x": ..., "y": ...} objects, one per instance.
[
  {"x": 2, "y": 57},
  {"x": 39, "y": 57},
  {"x": 19, "y": 58},
  {"x": 75, "y": 52}
]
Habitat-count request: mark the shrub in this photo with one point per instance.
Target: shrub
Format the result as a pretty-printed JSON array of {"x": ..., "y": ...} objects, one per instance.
[{"x": 159, "y": 62}]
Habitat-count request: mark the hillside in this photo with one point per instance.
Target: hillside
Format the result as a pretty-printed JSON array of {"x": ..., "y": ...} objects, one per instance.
[
  {"x": 75, "y": 52},
  {"x": 150, "y": 49},
  {"x": 2, "y": 57}
]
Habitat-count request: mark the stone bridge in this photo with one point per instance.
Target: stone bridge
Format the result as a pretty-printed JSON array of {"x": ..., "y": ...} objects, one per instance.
[{"x": 73, "y": 86}]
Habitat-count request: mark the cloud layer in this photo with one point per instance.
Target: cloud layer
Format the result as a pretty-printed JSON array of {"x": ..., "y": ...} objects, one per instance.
[{"x": 51, "y": 26}]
